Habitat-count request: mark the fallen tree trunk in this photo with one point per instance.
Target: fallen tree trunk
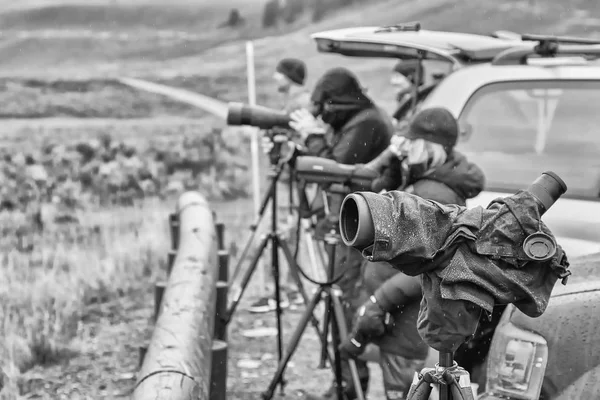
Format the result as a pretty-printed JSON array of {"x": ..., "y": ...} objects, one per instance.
[{"x": 177, "y": 365}]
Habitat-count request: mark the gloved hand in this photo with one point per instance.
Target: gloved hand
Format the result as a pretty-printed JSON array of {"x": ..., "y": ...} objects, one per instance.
[
  {"x": 392, "y": 177},
  {"x": 305, "y": 124},
  {"x": 266, "y": 143},
  {"x": 370, "y": 322}
]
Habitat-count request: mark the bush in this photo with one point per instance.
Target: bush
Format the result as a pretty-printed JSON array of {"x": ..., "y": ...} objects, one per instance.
[
  {"x": 270, "y": 14},
  {"x": 322, "y": 8},
  {"x": 292, "y": 10}
]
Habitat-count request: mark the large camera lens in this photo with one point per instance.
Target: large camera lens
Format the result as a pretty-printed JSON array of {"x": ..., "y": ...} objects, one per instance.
[
  {"x": 356, "y": 223},
  {"x": 238, "y": 114},
  {"x": 547, "y": 188},
  {"x": 257, "y": 116}
]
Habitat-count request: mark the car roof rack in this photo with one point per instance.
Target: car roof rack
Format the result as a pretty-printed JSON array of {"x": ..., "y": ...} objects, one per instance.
[
  {"x": 406, "y": 27},
  {"x": 548, "y": 47}
]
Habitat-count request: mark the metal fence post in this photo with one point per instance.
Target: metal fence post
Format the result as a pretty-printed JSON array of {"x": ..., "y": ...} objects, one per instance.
[
  {"x": 170, "y": 261},
  {"x": 159, "y": 291},
  {"x": 223, "y": 265},
  {"x": 174, "y": 225},
  {"x": 141, "y": 354},
  {"x": 220, "y": 331},
  {"x": 221, "y": 235},
  {"x": 218, "y": 379}
]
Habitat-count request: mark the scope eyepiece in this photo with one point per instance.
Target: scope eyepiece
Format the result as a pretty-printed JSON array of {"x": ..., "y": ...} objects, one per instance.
[{"x": 546, "y": 189}]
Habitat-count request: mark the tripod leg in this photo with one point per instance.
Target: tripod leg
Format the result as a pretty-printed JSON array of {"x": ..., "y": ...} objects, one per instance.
[
  {"x": 335, "y": 336},
  {"x": 254, "y": 226},
  {"x": 420, "y": 389},
  {"x": 325, "y": 334},
  {"x": 343, "y": 332},
  {"x": 296, "y": 275},
  {"x": 293, "y": 345},
  {"x": 312, "y": 249},
  {"x": 239, "y": 291}
]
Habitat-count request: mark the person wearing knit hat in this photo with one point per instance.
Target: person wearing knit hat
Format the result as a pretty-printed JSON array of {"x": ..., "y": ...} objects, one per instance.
[
  {"x": 290, "y": 78},
  {"x": 293, "y": 69},
  {"x": 426, "y": 159},
  {"x": 427, "y": 166}
]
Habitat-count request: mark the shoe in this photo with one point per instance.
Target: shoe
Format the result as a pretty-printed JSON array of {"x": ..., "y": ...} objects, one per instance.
[
  {"x": 295, "y": 298},
  {"x": 330, "y": 394},
  {"x": 268, "y": 304}
]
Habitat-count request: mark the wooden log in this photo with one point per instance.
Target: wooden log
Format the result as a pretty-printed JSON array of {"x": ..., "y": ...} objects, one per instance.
[{"x": 179, "y": 358}]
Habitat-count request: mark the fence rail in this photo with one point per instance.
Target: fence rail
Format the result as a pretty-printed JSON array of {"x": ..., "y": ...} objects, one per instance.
[{"x": 187, "y": 355}]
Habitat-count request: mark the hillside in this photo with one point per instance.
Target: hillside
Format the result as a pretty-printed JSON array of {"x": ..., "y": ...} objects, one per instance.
[{"x": 212, "y": 60}]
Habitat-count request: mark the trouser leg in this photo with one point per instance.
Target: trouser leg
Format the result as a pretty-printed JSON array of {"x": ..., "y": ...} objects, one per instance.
[
  {"x": 348, "y": 262},
  {"x": 398, "y": 373}
]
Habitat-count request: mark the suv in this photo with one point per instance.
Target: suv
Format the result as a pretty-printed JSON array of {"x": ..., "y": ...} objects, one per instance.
[{"x": 525, "y": 104}]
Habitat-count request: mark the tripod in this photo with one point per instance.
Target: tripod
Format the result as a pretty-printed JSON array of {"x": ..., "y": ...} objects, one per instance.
[
  {"x": 331, "y": 293},
  {"x": 277, "y": 243},
  {"x": 454, "y": 382}
]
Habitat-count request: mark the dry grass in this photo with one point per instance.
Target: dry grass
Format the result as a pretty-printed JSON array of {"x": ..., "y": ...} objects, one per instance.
[{"x": 45, "y": 293}]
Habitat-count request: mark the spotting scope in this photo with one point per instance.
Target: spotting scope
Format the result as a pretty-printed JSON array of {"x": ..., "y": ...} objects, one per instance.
[
  {"x": 257, "y": 116},
  {"x": 357, "y": 226},
  {"x": 325, "y": 171}
]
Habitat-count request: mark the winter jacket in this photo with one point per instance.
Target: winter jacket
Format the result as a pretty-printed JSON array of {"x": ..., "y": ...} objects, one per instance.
[
  {"x": 363, "y": 137},
  {"x": 451, "y": 183}
]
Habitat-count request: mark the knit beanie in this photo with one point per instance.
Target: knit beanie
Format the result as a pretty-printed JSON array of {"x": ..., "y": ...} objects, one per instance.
[
  {"x": 436, "y": 125},
  {"x": 293, "y": 69},
  {"x": 340, "y": 86}
]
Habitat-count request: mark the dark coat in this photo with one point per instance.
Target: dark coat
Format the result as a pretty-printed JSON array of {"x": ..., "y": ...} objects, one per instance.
[
  {"x": 451, "y": 183},
  {"x": 366, "y": 134}
]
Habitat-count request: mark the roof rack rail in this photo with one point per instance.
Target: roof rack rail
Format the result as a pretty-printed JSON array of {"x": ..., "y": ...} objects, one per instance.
[
  {"x": 519, "y": 55},
  {"x": 405, "y": 27},
  {"x": 558, "y": 39}
]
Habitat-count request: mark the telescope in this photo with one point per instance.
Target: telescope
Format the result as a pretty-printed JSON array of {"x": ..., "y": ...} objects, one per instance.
[
  {"x": 325, "y": 171},
  {"x": 357, "y": 227},
  {"x": 257, "y": 116}
]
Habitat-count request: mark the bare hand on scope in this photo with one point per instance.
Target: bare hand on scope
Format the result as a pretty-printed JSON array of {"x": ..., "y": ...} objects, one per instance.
[
  {"x": 303, "y": 122},
  {"x": 266, "y": 143}
]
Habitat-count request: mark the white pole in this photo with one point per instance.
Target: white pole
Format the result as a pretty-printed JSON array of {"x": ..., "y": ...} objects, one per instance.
[{"x": 254, "y": 151}]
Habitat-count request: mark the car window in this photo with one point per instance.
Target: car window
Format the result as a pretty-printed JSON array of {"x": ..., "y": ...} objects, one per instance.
[{"x": 516, "y": 130}]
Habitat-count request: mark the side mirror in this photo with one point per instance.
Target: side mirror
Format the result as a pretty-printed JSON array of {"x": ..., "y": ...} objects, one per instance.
[{"x": 465, "y": 132}]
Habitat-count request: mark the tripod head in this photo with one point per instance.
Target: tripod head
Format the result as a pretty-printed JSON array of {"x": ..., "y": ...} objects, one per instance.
[{"x": 282, "y": 148}]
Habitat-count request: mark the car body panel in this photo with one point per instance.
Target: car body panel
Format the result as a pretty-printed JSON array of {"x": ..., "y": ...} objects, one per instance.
[
  {"x": 587, "y": 386},
  {"x": 572, "y": 316}
]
